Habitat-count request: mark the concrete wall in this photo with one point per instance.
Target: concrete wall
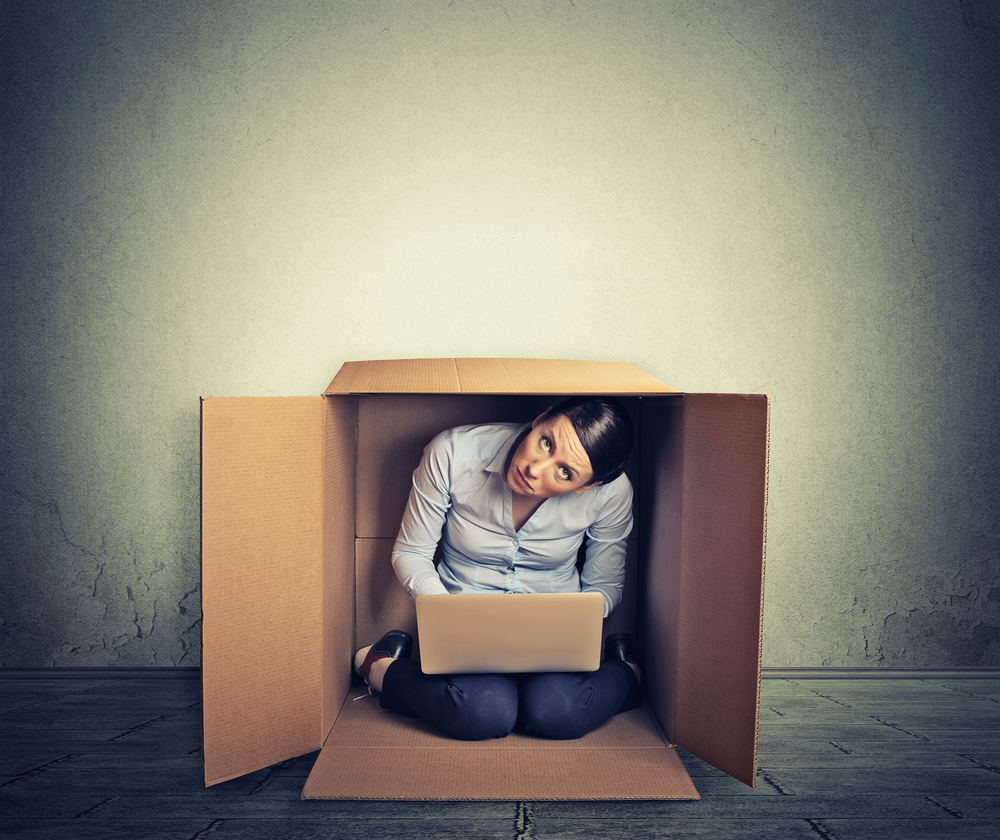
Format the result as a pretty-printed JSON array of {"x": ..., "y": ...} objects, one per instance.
[{"x": 233, "y": 198}]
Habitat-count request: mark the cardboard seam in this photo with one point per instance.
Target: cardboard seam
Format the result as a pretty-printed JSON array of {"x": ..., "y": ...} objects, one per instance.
[
  {"x": 507, "y": 373},
  {"x": 354, "y": 542},
  {"x": 325, "y": 736},
  {"x": 455, "y": 745},
  {"x": 450, "y": 744}
]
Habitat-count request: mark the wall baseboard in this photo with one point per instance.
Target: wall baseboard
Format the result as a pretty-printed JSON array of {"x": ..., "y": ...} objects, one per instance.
[
  {"x": 192, "y": 673},
  {"x": 838, "y": 673}
]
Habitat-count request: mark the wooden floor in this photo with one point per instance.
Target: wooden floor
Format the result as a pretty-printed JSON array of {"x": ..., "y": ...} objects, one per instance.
[{"x": 839, "y": 758}]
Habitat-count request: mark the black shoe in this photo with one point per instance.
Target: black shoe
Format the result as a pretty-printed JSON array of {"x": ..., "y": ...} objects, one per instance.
[
  {"x": 396, "y": 644},
  {"x": 621, "y": 646}
]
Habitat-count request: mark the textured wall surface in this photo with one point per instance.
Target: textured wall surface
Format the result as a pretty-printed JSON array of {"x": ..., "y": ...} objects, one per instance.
[{"x": 234, "y": 198}]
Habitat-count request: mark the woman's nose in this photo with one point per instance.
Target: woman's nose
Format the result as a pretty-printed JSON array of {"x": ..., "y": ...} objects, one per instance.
[{"x": 537, "y": 467}]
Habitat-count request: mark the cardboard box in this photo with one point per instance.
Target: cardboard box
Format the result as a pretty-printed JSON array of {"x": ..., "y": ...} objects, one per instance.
[{"x": 301, "y": 502}]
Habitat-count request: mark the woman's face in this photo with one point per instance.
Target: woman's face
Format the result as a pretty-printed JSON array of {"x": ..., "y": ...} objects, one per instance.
[{"x": 550, "y": 460}]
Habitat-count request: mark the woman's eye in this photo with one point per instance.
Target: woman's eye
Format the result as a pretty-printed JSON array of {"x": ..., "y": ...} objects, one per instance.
[
  {"x": 564, "y": 474},
  {"x": 545, "y": 443}
]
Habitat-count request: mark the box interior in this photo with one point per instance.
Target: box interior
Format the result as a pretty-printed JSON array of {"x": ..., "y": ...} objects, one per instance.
[{"x": 302, "y": 498}]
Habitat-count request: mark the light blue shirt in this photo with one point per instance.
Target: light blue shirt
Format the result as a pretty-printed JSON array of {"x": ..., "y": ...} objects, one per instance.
[{"x": 459, "y": 493}]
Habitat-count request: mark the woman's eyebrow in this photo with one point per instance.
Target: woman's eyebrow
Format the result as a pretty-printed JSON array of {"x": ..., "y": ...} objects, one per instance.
[{"x": 569, "y": 466}]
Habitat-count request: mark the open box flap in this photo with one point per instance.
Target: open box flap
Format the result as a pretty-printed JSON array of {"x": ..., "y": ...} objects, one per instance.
[
  {"x": 262, "y": 550},
  {"x": 374, "y": 754},
  {"x": 493, "y": 376},
  {"x": 703, "y": 621}
]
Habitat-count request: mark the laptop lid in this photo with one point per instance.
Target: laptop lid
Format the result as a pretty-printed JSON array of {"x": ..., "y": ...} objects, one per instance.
[{"x": 501, "y": 632}]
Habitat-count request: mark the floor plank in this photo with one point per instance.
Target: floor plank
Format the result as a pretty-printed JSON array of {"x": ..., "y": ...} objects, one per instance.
[
  {"x": 644, "y": 829},
  {"x": 839, "y": 759},
  {"x": 749, "y": 807}
]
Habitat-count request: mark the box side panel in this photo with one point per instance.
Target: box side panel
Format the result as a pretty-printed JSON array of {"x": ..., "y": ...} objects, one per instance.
[
  {"x": 340, "y": 459},
  {"x": 660, "y": 554},
  {"x": 722, "y": 555},
  {"x": 262, "y": 580}
]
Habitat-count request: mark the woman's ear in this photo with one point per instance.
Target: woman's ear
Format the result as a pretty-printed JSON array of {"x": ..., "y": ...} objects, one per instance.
[{"x": 580, "y": 490}]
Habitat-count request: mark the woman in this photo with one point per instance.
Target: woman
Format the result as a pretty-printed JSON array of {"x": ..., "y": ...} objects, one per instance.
[{"x": 513, "y": 505}]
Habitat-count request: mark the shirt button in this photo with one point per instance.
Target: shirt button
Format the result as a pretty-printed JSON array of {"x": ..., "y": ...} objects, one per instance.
[{"x": 516, "y": 543}]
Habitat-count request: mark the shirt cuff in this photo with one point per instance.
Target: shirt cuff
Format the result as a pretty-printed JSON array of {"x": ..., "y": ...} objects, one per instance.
[
  {"x": 608, "y": 606},
  {"x": 428, "y": 584}
]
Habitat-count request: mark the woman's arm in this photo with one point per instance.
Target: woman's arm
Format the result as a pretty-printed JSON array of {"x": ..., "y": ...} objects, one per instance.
[
  {"x": 423, "y": 521},
  {"x": 604, "y": 566}
]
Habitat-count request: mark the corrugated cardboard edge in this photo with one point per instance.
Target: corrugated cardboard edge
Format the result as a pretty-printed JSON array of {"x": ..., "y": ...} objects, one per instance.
[
  {"x": 763, "y": 572},
  {"x": 763, "y": 569},
  {"x": 494, "y": 376}
]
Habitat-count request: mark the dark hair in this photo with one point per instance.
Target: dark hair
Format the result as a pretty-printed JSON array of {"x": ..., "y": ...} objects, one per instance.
[{"x": 604, "y": 429}]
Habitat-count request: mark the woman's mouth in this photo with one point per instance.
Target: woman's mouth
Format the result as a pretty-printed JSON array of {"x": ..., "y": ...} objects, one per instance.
[{"x": 521, "y": 479}]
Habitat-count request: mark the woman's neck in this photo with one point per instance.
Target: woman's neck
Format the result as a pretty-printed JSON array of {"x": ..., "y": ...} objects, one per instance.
[{"x": 522, "y": 508}]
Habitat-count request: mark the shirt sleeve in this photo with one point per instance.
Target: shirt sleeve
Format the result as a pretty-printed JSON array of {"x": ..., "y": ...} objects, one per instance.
[
  {"x": 604, "y": 563},
  {"x": 423, "y": 521}
]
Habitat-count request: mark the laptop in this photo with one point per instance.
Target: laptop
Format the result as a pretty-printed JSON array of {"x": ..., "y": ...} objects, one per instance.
[{"x": 501, "y": 632}]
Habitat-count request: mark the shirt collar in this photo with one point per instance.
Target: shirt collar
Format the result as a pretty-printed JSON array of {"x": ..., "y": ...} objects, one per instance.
[{"x": 497, "y": 464}]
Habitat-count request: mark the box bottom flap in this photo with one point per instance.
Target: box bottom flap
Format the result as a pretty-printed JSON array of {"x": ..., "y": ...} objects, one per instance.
[{"x": 375, "y": 754}]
